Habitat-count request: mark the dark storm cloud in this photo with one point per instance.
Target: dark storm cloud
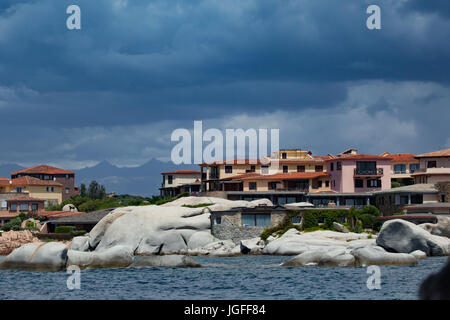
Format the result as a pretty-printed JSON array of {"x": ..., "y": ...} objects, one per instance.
[
  {"x": 440, "y": 7},
  {"x": 136, "y": 63}
]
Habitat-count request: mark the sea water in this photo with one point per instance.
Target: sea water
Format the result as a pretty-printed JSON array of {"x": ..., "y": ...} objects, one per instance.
[{"x": 243, "y": 277}]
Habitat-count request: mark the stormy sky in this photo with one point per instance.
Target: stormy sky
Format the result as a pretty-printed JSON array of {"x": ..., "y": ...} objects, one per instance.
[{"x": 139, "y": 69}]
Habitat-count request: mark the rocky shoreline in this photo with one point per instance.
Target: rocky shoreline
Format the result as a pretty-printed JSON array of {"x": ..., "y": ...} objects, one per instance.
[{"x": 167, "y": 234}]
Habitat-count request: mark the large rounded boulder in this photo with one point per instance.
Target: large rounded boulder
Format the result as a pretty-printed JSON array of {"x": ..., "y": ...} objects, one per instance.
[
  {"x": 441, "y": 228},
  {"x": 115, "y": 257},
  {"x": 37, "y": 256},
  {"x": 405, "y": 237}
]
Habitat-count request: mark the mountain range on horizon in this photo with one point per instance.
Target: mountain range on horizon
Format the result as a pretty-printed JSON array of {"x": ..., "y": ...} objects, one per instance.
[{"x": 143, "y": 180}]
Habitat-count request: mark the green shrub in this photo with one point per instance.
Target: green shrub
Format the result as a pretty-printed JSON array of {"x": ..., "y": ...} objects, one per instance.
[
  {"x": 372, "y": 210},
  {"x": 310, "y": 220},
  {"x": 65, "y": 229},
  {"x": 312, "y": 229},
  {"x": 367, "y": 221},
  {"x": 281, "y": 228},
  {"x": 200, "y": 205},
  {"x": 395, "y": 184},
  {"x": 13, "y": 225}
]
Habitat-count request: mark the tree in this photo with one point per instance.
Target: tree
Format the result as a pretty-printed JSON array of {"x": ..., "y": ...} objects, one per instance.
[
  {"x": 83, "y": 190},
  {"x": 96, "y": 191}
]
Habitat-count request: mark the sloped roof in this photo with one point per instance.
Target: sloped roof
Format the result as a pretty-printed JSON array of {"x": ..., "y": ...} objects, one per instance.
[
  {"x": 31, "y": 181},
  {"x": 24, "y": 198},
  {"x": 360, "y": 157},
  {"x": 43, "y": 168},
  {"x": 439, "y": 153},
  {"x": 182, "y": 172},
  {"x": 401, "y": 157}
]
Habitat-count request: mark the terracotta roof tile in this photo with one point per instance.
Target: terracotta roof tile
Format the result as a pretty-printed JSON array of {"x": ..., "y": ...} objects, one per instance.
[
  {"x": 43, "y": 169},
  {"x": 439, "y": 153},
  {"x": 31, "y": 181},
  {"x": 24, "y": 198},
  {"x": 360, "y": 157},
  {"x": 182, "y": 172}
]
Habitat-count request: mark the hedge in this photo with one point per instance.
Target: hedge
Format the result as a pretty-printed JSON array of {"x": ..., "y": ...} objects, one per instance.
[{"x": 64, "y": 229}]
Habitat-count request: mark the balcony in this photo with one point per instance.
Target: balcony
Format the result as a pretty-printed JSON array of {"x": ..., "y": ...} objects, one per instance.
[{"x": 368, "y": 172}]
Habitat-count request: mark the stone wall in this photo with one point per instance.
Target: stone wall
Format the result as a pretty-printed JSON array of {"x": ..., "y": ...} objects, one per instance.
[
  {"x": 230, "y": 226},
  {"x": 13, "y": 239}
]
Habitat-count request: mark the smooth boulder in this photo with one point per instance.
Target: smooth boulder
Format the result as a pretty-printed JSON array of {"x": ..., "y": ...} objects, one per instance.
[
  {"x": 37, "y": 256},
  {"x": 332, "y": 257},
  {"x": 255, "y": 245},
  {"x": 174, "y": 261},
  {"x": 80, "y": 243},
  {"x": 340, "y": 228},
  {"x": 375, "y": 255},
  {"x": 405, "y": 237},
  {"x": 116, "y": 257},
  {"x": 441, "y": 228}
]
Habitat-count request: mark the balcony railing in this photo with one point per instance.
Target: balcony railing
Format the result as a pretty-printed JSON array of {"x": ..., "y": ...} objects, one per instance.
[{"x": 368, "y": 172}]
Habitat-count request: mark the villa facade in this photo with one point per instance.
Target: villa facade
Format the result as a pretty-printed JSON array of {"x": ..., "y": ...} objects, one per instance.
[{"x": 180, "y": 181}]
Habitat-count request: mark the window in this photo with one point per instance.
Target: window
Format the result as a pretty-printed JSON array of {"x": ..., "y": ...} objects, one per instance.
[
  {"x": 300, "y": 168},
  {"x": 169, "y": 179},
  {"x": 321, "y": 220},
  {"x": 34, "y": 207},
  {"x": 272, "y": 185},
  {"x": 218, "y": 220},
  {"x": 413, "y": 167},
  {"x": 319, "y": 168},
  {"x": 319, "y": 184},
  {"x": 399, "y": 168},
  {"x": 339, "y": 165},
  {"x": 284, "y": 155},
  {"x": 13, "y": 207},
  {"x": 373, "y": 183},
  {"x": 366, "y": 167},
  {"x": 327, "y": 183},
  {"x": 24, "y": 207},
  {"x": 18, "y": 189},
  {"x": 285, "y": 169},
  {"x": 228, "y": 169},
  {"x": 332, "y": 166},
  {"x": 256, "y": 220},
  {"x": 359, "y": 183},
  {"x": 252, "y": 168},
  {"x": 50, "y": 189},
  {"x": 296, "y": 220},
  {"x": 264, "y": 169},
  {"x": 67, "y": 190},
  {"x": 431, "y": 164},
  {"x": 252, "y": 185},
  {"x": 67, "y": 176}
]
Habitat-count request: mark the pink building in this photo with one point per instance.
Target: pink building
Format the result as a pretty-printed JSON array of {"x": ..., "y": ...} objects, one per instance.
[{"x": 357, "y": 173}]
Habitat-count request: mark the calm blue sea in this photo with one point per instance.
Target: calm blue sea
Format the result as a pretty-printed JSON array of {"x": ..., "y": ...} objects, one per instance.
[{"x": 246, "y": 277}]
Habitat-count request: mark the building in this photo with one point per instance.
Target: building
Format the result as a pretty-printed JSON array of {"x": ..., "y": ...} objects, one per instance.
[
  {"x": 48, "y": 173},
  {"x": 296, "y": 170},
  {"x": 358, "y": 173},
  {"x": 48, "y": 190},
  {"x": 433, "y": 167},
  {"x": 403, "y": 165},
  {"x": 180, "y": 181},
  {"x": 24, "y": 204},
  {"x": 81, "y": 221},
  {"x": 394, "y": 200}
]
